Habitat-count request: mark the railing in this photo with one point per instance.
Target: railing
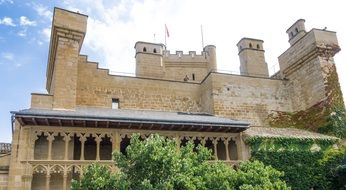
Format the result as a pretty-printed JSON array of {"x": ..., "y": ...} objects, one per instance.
[
  {"x": 5, "y": 148},
  {"x": 64, "y": 166}
]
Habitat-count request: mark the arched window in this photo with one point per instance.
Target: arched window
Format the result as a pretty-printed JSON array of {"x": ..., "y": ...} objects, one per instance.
[
  {"x": 258, "y": 46},
  {"x": 154, "y": 50},
  {"x": 296, "y": 30},
  {"x": 144, "y": 49},
  {"x": 250, "y": 45}
]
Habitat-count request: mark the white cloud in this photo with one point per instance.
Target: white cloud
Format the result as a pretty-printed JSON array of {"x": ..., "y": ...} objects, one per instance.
[
  {"x": 7, "y": 21},
  {"x": 22, "y": 33},
  {"x": 8, "y": 56},
  {"x": 46, "y": 33},
  {"x": 42, "y": 10},
  {"x": 6, "y": 1},
  {"x": 24, "y": 21}
]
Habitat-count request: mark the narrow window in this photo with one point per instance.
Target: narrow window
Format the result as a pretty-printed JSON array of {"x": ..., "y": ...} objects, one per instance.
[
  {"x": 144, "y": 49},
  {"x": 297, "y": 30},
  {"x": 193, "y": 76},
  {"x": 291, "y": 34},
  {"x": 250, "y": 45},
  {"x": 154, "y": 50},
  {"x": 115, "y": 103},
  {"x": 240, "y": 48},
  {"x": 258, "y": 46}
]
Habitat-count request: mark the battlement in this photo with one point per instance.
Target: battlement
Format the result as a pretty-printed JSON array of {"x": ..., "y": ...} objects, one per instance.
[{"x": 191, "y": 57}]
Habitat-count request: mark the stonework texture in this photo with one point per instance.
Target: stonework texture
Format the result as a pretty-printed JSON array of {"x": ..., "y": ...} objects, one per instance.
[{"x": 48, "y": 157}]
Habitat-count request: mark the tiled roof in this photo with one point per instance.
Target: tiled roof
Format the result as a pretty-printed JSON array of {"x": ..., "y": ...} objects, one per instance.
[{"x": 285, "y": 132}]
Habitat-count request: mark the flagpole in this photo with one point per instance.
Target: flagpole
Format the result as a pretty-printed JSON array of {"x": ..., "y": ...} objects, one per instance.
[
  {"x": 202, "y": 36},
  {"x": 166, "y": 36}
]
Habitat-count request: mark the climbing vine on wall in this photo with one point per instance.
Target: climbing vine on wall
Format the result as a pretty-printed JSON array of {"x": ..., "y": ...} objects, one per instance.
[
  {"x": 319, "y": 115},
  {"x": 307, "y": 163}
]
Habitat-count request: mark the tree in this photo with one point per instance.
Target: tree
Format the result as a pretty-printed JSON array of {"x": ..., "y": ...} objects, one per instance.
[{"x": 155, "y": 163}]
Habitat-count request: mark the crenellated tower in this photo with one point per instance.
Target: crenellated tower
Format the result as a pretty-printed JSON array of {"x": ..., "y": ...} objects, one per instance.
[{"x": 154, "y": 61}]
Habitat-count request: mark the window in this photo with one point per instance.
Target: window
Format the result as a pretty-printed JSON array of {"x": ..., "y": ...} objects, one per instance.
[
  {"x": 154, "y": 50},
  {"x": 296, "y": 30},
  {"x": 193, "y": 76},
  {"x": 115, "y": 103},
  {"x": 291, "y": 34},
  {"x": 250, "y": 45},
  {"x": 144, "y": 49},
  {"x": 258, "y": 46},
  {"x": 240, "y": 48}
]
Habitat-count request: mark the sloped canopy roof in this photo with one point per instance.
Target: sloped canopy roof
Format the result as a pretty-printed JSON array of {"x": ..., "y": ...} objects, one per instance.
[{"x": 131, "y": 119}]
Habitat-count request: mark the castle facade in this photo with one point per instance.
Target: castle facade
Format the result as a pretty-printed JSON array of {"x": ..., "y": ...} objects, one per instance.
[{"x": 88, "y": 113}]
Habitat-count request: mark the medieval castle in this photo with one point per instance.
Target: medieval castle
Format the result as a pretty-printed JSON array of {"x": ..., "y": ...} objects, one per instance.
[{"x": 87, "y": 113}]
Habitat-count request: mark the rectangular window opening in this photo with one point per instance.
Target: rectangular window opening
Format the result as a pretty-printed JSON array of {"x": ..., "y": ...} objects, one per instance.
[
  {"x": 193, "y": 76},
  {"x": 115, "y": 103}
]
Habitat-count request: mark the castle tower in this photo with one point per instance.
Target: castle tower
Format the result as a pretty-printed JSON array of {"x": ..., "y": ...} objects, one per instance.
[
  {"x": 68, "y": 31},
  {"x": 308, "y": 65},
  {"x": 296, "y": 31},
  {"x": 251, "y": 55},
  {"x": 149, "y": 62},
  {"x": 212, "y": 64}
]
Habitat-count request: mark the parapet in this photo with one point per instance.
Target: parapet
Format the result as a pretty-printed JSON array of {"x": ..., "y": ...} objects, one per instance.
[
  {"x": 316, "y": 42},
  {"x": 191, "y": 57}
]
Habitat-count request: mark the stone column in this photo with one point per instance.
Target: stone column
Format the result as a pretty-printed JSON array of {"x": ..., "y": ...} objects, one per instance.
[
  {"x": 67, "y": 139},
  {"x": 64, "y": 186},
  {"x": 98, "y": 140},
  {"x": 82, "y": 140},
  {"x": 116, "y": 141},
  {"x": 215, "y": 148},
  {"x": 177, "y": 142},
  {"x": 226, "y": 142},
  {"x": 50, "y": 139},
  {"x": 47, "y": 181}
]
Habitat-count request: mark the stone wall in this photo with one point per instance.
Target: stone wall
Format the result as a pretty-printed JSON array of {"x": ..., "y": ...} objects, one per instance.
[
  {"x": 4, "y": 167},
  {"x": 96, "y": 88},
  {"x": 248, "y": 98}
]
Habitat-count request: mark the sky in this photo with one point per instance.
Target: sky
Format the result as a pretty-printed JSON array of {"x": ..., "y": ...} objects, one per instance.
[{"x": 114, "y": 27}]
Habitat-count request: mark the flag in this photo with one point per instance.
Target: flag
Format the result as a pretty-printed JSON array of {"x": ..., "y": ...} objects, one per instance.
[{"x": 167, "y": 33}]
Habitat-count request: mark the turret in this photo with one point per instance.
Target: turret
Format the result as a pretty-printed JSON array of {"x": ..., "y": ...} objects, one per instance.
[
  {"x": 211, "y": 52},
  {"x": 296, "y": 31},
  {"x": 149, "y": 61},
  {"x": 251, "y": 55}
]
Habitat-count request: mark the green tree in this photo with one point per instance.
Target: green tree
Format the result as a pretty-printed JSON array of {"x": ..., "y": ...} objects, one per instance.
[{"x": 155, "y": 163}]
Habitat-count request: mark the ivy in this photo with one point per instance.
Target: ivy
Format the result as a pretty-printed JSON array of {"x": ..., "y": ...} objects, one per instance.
[{"x": 306, "y": 163}]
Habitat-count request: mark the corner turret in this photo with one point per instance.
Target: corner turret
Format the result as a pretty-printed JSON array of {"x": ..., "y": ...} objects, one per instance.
[{"x": 296, "y": 31}]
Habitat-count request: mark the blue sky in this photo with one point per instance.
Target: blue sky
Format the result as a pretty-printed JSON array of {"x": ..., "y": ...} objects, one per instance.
[{"x": 115, "y": 26}]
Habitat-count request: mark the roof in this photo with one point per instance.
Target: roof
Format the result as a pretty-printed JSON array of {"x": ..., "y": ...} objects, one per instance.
[
  {"x": 122, "y": 118},
  {"x": 286, "y": 133}
]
